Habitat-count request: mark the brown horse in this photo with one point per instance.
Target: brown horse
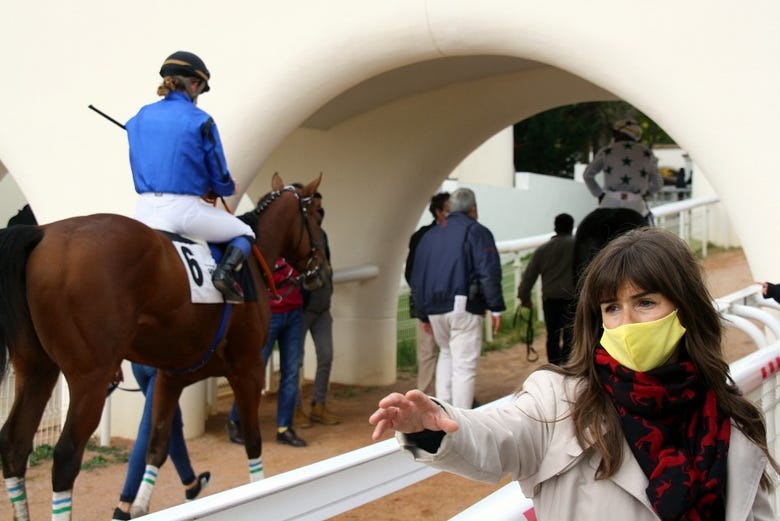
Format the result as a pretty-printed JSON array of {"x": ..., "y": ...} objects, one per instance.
[{"x": 79, "y": 295}]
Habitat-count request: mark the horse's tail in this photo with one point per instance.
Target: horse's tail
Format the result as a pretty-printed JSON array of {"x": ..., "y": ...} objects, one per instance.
[{"x": 16, "y": 243}]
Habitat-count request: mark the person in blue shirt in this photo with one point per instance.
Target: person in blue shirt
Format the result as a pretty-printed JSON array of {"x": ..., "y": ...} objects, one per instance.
[
  {"x": 137, "y": 471},
  {"x": 179, "y": 169}
]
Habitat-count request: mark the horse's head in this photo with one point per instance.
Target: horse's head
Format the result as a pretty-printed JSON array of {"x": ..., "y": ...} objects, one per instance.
[
  {"x": 292, "y": 230},
  {"x": 310, "y": 255}
]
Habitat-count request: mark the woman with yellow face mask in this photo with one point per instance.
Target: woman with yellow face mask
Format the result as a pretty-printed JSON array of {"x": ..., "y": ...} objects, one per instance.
[{"x": 643, "y": 420}]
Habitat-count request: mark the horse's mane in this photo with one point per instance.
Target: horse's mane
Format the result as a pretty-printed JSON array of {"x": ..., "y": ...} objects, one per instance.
[{"x": 250, "y": 217}]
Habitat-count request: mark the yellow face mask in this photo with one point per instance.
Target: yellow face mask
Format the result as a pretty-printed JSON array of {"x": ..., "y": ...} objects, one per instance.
[{"x": 645, "y": 345}]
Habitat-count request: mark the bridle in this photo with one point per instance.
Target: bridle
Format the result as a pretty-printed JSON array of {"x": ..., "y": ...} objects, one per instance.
[{"x": 313, "y": 267}]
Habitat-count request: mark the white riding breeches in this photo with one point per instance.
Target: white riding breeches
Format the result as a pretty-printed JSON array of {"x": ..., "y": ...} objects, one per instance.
[{"x": 189, "y": 215}]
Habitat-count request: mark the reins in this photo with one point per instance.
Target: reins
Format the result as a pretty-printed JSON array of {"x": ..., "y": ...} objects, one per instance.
[
  {"x": 303, "y": 204},
  {"x": 266, "y": 272},
  {"x": 308, "y": 272}
]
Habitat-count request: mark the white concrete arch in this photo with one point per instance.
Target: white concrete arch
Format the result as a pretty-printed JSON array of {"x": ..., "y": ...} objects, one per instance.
[
  {"x": 286, "y": 94},
  {"x": 381, "y": 167}
]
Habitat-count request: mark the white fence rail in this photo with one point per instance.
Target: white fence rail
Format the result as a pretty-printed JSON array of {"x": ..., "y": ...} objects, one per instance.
[
  {"x": 313, "y": 492},
  {"x": 689, "y": 219},
  {"x": 339, "y": 484}
]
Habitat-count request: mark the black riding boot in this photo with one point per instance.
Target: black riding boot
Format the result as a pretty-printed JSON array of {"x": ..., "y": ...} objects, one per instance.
[{"x": 224, "y": 275}]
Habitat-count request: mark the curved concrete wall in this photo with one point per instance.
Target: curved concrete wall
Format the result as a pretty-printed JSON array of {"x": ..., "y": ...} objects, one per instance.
[{"x": 292, "y": 91}]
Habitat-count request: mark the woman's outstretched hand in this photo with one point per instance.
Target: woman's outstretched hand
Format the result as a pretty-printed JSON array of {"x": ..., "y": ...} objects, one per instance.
[{"x": 412, "y": 412}]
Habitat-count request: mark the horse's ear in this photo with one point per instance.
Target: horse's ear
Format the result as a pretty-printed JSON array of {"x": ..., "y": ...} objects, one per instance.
[
  {"x": 276, "y": 182},
  {"x": 311, "y": 188}
]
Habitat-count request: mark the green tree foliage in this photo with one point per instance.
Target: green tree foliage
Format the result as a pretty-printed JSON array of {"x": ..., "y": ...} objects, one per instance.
[{"x": 553, "y": 141}]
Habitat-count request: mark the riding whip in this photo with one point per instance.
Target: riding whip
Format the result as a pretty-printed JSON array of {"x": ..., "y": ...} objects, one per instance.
[{"x": 112, "y": 120}]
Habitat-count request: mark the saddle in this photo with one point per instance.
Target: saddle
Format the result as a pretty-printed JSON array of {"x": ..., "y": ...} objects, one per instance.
[{"x": 200, "y": 259}]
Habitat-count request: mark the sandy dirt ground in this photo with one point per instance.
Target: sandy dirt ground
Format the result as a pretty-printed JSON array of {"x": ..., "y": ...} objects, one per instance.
[{"x": 438, "y": 497}]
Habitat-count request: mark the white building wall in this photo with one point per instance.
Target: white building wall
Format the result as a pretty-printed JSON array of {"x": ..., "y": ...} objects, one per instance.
[{"x": 490, "y": 164}]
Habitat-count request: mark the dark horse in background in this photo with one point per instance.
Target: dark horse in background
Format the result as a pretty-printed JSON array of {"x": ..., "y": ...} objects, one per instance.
[
  {"x": 598, "y": 228},
  {"x": 79, "y": 295}
]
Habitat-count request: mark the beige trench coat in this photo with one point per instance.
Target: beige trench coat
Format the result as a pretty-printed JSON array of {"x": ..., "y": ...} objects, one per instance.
[{"x": 557, "y": 474}]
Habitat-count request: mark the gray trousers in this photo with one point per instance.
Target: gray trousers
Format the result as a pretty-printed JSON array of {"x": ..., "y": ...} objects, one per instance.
[{"x": 320, "y": 324}]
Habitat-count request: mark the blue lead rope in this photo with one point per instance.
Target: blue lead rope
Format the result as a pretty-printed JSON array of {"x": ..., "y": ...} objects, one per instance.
[{"x": 214, "y": 343}]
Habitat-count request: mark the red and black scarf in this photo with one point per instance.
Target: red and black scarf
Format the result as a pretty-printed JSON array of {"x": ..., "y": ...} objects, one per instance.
[{"x": 677, "y": 434}]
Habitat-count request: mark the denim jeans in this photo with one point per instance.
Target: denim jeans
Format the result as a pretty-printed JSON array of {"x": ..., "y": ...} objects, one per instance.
[
  {"x": 287, "y": 328},
  {"x": 177, "y": 448}
]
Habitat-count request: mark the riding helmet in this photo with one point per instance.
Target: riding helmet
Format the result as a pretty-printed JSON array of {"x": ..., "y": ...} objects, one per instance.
[
  {"x": 187, "y": 64},
  {"x": 628, "y": 127}
]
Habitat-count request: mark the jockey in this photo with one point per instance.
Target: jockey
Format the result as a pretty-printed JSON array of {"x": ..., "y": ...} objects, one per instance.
[
  {"x": 630, "y": 170},
  {"x": 179, "y": 167}
]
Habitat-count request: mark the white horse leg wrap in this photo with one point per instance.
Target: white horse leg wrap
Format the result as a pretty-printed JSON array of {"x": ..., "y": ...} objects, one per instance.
[
  {"x": 17, "y": 493},
  {"x": 256, "y": 472},
  {"x": 61, "y": 505},
  {"x": 144, "y": 496}
]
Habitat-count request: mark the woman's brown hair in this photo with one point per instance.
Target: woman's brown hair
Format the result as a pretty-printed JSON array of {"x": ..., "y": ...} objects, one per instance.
[{"x": 657, "y": 261}]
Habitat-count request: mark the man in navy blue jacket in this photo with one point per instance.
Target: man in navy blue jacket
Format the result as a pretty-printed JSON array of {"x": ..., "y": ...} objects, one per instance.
[{"x": 457, "y": 277}]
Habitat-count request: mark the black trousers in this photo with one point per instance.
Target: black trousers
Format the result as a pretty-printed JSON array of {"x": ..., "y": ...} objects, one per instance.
[{"x": 559, "y": 321}]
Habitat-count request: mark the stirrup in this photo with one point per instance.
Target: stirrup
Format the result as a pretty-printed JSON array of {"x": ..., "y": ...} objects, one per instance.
[{"x": 230, "y": 289}]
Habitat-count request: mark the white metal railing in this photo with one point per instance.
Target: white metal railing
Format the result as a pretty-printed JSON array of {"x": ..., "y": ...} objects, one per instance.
[
  {"x": 682, "y": 210},
  {"x": 355, "y": 274},
  {"x": 312, "y": 492},
  {"x": 339, "y": 484},
  {"x": 53, "y": 417}
]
